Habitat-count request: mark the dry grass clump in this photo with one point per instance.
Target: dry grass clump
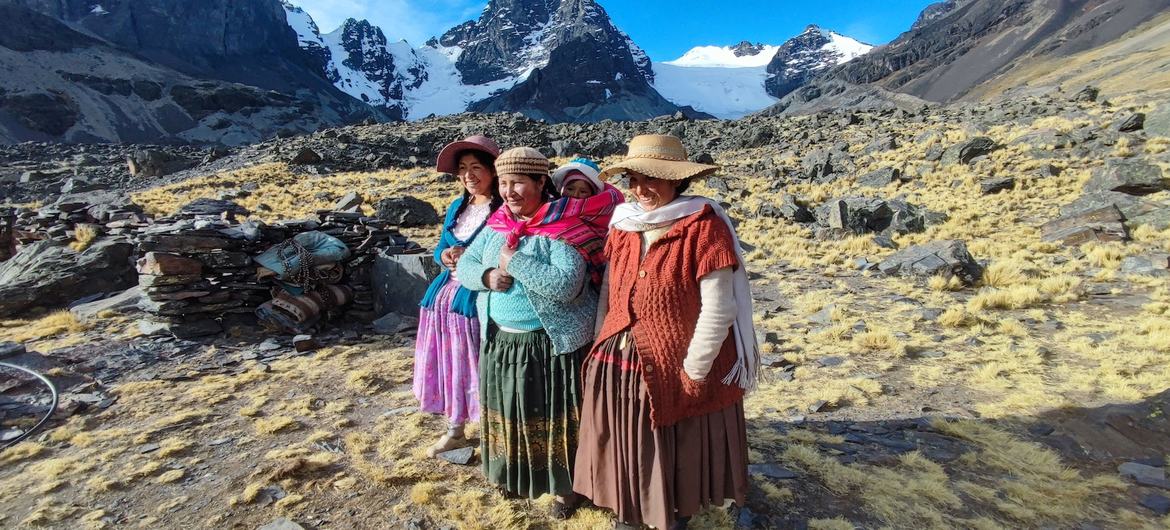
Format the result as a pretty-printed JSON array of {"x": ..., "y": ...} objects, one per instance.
[
  {"x": 1035, "y": 486},
  {"x": 83, "y": 236},
  {"x": 1015, "y": 297},
  {"x": 1005, "y": 273},
  {"x": 941, "y": 283},
  {"x": 276, "y": 424},
  {"x": 879, "y": 340},
  {"x": 51, "y": 325}
]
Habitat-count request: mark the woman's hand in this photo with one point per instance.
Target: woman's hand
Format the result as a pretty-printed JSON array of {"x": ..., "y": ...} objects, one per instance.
[
  {"x": 497, "y": 280},
  {"x": 451, "y": 256},
  {"x": 506, "y": 256}
]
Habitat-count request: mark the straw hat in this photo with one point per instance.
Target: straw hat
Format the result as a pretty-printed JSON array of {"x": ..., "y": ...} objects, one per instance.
[
  {"x": 659, "y": 156},
  {"x": 446, "y": 162},
  {"x": 583, "y": 165},
  {"x": 522, "y": 160}
]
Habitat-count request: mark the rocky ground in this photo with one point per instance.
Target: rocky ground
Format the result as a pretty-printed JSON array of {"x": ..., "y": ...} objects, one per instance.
[{"x": 965, "y": 314}]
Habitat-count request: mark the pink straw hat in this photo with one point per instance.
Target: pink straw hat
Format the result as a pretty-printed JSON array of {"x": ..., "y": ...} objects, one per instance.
[{"x": 446, "y": 162}]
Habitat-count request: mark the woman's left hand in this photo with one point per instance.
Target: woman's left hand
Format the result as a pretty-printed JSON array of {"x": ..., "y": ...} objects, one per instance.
[{"x": 506, "y": 257}]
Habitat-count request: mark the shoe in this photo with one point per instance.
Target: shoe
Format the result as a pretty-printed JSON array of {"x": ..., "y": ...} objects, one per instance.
[
  {"x": 446, "y": 443},
  {"x": 562, "y": 510},
  {"x": 618, "y": 525}
]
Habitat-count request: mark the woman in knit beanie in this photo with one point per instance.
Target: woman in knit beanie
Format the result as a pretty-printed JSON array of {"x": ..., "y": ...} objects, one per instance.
[
  {"x": 446, "y": 356},
  {"x": 663, "y": 434},
  {"x": 536, "y": 317}
]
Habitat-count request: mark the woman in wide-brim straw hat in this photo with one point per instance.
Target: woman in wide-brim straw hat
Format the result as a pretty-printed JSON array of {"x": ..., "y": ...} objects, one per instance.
[
  {"x": 662, "y": 424},
  {"x": 446, "y": 357}
]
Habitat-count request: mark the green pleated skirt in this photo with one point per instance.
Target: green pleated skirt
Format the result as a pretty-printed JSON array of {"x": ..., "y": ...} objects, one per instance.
[{"x": 531, "y": 398}]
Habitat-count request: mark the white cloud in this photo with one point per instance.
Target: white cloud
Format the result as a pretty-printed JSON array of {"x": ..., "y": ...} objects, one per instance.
[{"x": 413, "y": 20}]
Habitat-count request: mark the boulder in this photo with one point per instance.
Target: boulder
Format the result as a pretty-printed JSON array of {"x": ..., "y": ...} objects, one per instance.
[
  {"x": 1101, "y": 224},
  {"x": 163, "y": 264},
  {"x": 401, "y": 280},
  {"x": 965, "y": 152},
  {"x": 407, "y": 212},
  {"x": 1156, "y": 264},
  {"x": 213, "y": 207},
  {"x": 350, "y": 202},
  {"x": 50, "y": 274},
  {"x": 948, "y": 258},
  {"x": 306, "y": 156},
  {"x": 881, "y": 177},
  {"x": 789, "y": 208},
  {"x": 566, "y": 148},
  {"x": 155, "y": 163},
  {"x": 1131, "y": 177},
  {"x": 1086, "y": 95},
  {"x": 123, "y": 302},
  {"x": 1134, "y": 210},
  {"x": 864, "y": 215},
  {"x": 1157, "y": 122},
  {"x": 1132, "y": 122},
  {"x": 996, "y": 185},
  {"x": 393, "y": 323}
]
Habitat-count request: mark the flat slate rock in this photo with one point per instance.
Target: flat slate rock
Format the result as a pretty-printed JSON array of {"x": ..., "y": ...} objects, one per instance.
[
  {"x": 771, "y": 471},
  {"x": 1159, "y": 504},
  {"x": 461, "y": 456},
  {"x": 281, "y": 523}
]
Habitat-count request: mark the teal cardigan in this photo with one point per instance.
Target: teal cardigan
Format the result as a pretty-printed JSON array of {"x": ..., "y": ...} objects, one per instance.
[
  {"x": 552, "y": 272},
  {"x": 464, "y": 301}
]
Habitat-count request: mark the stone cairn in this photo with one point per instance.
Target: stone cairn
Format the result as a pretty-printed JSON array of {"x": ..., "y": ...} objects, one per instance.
[
  {"x": 195, "y": 268},
  {"x": 61, "y": 220},
  {"x": 197, "y": 273}
]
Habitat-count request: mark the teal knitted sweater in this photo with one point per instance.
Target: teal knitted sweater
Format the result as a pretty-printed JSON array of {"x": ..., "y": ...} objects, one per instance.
[{"x": 553, "y": 275}]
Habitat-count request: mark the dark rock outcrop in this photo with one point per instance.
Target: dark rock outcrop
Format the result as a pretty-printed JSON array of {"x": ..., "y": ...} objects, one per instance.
[{"x": 50, "y": 274}]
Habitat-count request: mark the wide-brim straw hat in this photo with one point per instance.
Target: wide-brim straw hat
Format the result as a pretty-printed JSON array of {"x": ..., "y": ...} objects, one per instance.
[
  {"x": 446, "y": 161},
  {"x": 660, "y": 156}
]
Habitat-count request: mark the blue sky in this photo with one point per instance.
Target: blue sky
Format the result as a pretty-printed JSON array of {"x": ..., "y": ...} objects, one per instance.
[{"x": 664, "y": 28}]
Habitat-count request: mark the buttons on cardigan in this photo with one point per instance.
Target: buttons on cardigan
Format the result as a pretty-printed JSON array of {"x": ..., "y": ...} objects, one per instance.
[
  {"x": 641, "y": 274},
  {"x": 648, "y": 368}
]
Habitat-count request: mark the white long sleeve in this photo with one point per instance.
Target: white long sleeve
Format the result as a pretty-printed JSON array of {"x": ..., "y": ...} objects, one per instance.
[
  {"x": 602, "y": 303},
  {"x": 716, "y": 316}
]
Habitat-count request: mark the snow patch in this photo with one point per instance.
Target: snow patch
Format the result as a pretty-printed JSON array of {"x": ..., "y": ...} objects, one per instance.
[
  {"x": 723, "y": 57},
  {"x": 97, "y": 9},
  {"x": 727, "y": 93}
]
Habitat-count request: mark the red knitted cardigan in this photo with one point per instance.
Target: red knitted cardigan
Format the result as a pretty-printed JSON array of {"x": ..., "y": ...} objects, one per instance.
[{"x": 657, "y": 298}]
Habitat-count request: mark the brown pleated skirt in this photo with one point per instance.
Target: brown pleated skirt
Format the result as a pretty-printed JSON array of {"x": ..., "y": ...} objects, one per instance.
[{"x": 646, "y": 475}]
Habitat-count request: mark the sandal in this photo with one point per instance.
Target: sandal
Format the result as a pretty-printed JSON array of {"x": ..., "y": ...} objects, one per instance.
[{"x": 446, "y": 443}]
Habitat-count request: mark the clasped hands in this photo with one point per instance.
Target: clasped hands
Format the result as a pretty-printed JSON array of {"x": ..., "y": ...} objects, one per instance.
[{"x": 498, "y": 279}]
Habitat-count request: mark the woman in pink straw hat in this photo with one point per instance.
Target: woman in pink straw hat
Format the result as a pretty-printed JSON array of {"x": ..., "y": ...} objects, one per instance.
[
  {"x": 446, "y": 357},
  {"x": 662, "y": 433}
]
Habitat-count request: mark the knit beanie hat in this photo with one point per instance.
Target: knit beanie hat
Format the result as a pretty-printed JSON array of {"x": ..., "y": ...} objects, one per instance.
[
  {"x": 578, "y": 166},
  {"x": 522, "y": 160}
]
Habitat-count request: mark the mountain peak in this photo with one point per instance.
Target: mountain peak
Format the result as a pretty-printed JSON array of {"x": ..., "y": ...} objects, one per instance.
[{"x": 803, "y": 56}]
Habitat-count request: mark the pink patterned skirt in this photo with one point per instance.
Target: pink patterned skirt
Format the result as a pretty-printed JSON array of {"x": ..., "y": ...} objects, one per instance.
[{"x": 446, "y": 360}]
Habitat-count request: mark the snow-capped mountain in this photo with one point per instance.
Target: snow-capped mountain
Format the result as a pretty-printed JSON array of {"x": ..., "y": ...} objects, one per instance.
[
  {"x": 808, "y": 54},
  {"x": 358, "y": 59},
  {"x": 495, "y": 63},
  {"x": 733, "y": 81}
]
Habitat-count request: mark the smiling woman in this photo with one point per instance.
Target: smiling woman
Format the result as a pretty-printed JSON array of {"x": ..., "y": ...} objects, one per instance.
[{"x": 536, "y": 321}]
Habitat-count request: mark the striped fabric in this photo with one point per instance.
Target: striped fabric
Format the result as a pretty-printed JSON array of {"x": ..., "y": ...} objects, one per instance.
[{"x": 582, "y": 223}]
